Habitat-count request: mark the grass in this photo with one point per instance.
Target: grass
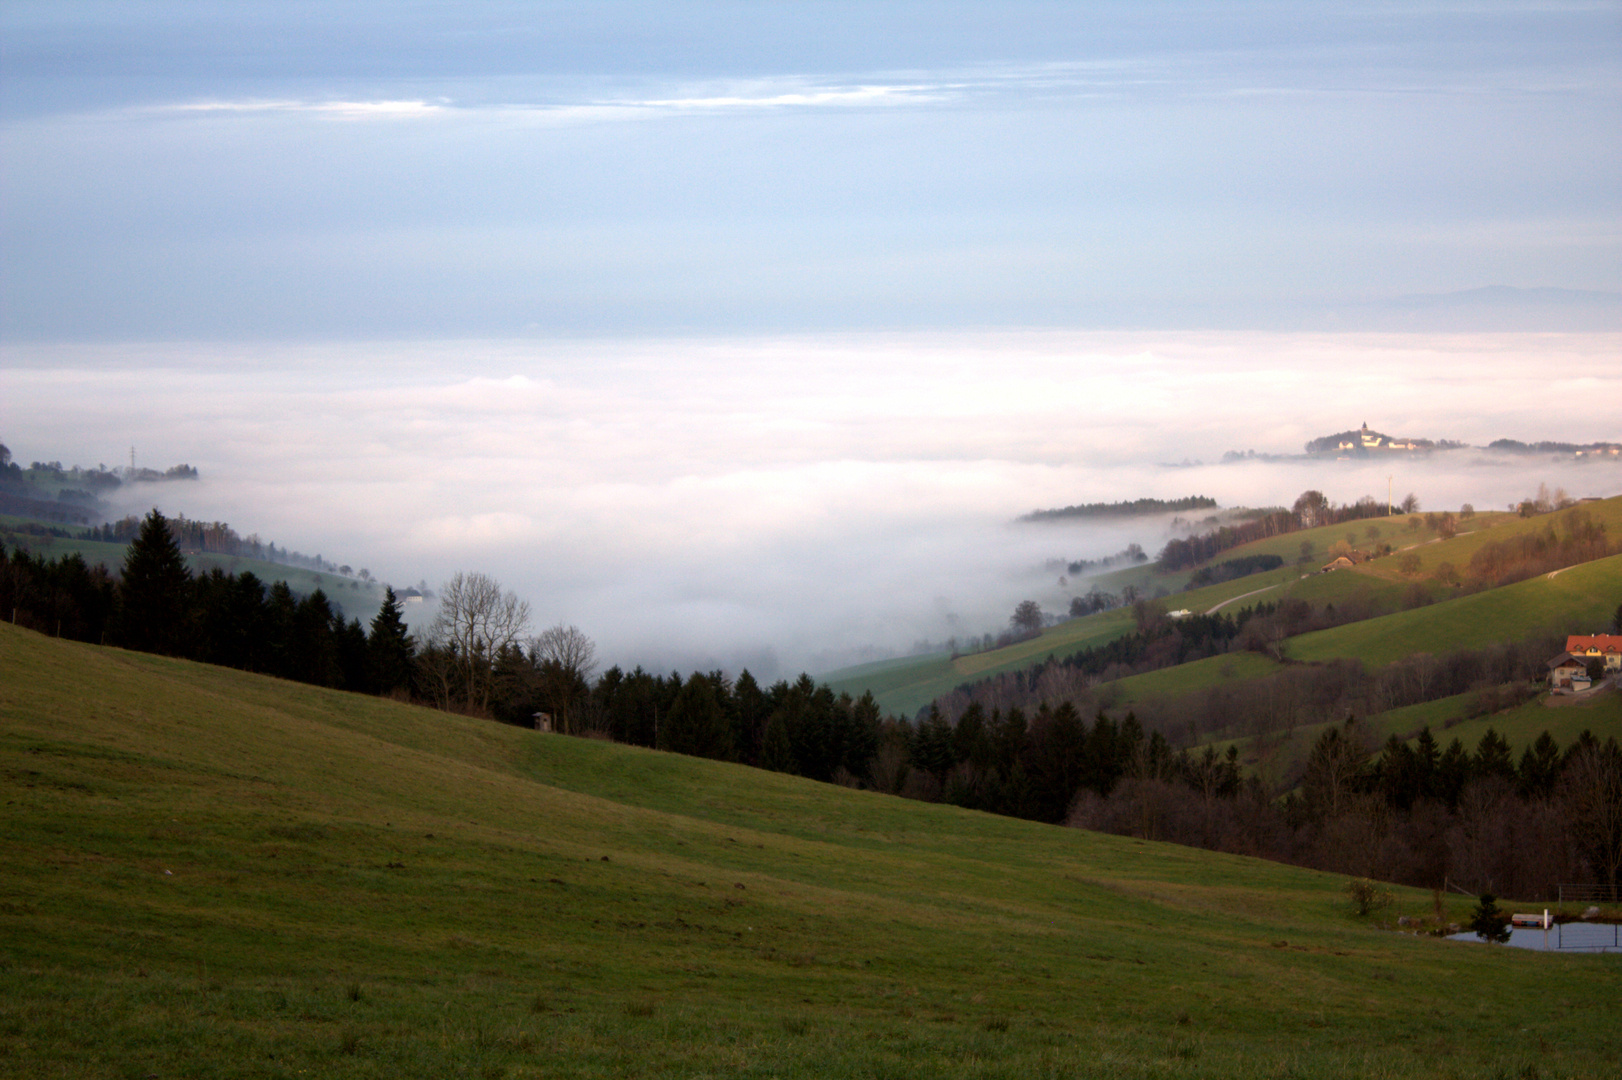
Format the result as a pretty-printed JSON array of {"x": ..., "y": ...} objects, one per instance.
[
  {"x": 907, "y": 684},
  {"x": 210, "y": 873},
  {"x": 1577, "y": 600},
  {"x": 1433, "y": 551},
  {"x": 1191, "y": 677}
]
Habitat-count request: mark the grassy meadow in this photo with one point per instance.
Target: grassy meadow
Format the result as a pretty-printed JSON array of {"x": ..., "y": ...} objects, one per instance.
[
  {"x": 907, "y": 684},
  {"x": 212, "y": 873},
  {"x": 1578, "y": 600}
]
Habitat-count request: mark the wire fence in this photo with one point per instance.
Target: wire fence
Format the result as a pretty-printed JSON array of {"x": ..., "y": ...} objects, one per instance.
[{"x": 1590, "y": 894}]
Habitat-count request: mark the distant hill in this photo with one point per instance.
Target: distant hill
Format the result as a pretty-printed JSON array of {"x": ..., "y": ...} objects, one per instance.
[
  {"x": 50, "y": 491},
  {"x": 1365, "y": 441},
  {"x": 1381, "y": 584},
  {"x": 1135, "y": 508}
]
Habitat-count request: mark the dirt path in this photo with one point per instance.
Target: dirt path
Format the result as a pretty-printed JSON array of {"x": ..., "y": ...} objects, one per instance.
[{"x": 1241, "y": 596}]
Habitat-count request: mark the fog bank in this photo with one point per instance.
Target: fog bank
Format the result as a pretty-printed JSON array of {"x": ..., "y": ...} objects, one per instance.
[{"x": 784, "y": 502}]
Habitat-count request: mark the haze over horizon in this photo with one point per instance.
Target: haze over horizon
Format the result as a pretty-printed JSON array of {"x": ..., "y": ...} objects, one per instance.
[{"x": 737, "y": 334}]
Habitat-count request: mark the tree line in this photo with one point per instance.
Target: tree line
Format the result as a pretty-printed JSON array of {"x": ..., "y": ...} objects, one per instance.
[
  {"x": 1130, "y": 508},
  {"x": 1417, "y": 814},
  {"x": 157, "y": 605},
  {"x": 1408, "y": 814},
  {"x": 213, "y": 537},
  {"x": 1310, "y": 510},
  {"x": 477, "y": 657}
]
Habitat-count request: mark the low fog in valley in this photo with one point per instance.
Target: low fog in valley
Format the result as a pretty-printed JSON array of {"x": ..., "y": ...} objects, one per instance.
[
  {"x": 741, "y": 334},
  {"x": 789, "y": 502}
]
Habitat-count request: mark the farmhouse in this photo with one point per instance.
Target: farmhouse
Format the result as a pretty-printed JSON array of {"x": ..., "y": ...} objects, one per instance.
[
  {"x": 1340, "y": 563},
  {"x": 1607, "y": 647},
  {"x": 1566, "y": 672}
]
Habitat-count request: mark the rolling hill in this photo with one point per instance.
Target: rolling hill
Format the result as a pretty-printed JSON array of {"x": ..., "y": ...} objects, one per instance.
[
  {"x": 215, "y": 873},
  {"x": 359, "y": 599},
  {"x": 908, "y": 684}
]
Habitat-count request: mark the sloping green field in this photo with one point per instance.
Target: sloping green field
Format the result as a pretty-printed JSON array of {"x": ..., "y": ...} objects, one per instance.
[
  {"x": 210, "y": 873},
  {"x": 1193, "y": 676},
  {"x": 1578, "y": 600},
  {"x": 907, "y": 684}
]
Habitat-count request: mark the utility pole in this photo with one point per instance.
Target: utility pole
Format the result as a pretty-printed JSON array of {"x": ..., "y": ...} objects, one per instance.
[{"x": 1388, "y": 496}]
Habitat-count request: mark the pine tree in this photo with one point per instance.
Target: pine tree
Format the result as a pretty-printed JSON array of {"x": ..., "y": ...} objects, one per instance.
[
  {"x": 776, "y": 752},
  {"x": 1493, "y": 756},
  {"x": 389, "y": 648},
  {"x": 749, "y": 713},
  {"x": 154, "y": 592},
  {"x": 696, "y": 723},
  {"x": 1489, "y": 921},
  {"x": 315, "y": 644}
]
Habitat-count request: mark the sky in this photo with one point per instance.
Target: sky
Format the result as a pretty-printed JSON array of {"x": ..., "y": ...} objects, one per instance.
[{"x": 737, "y": 332}]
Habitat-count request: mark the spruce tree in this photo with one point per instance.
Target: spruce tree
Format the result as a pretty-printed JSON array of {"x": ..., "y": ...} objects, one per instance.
[
  {"x": 776, "y": 752},
  {"x": 154, "y": 593},
  {"x": 389, "y": 647},
  {"x": 696, "y": 723},
  {"x": 1489, "y": 921}
]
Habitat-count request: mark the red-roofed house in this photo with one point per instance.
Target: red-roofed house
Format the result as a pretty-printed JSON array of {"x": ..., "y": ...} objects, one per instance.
[{"x": 1607, "y": 647}]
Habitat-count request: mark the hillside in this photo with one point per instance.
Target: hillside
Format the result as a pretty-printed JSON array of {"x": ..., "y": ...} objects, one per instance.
[
  {"x": 1581, "y": 599},
  {"x": 214, "y": 873},
  {"x": 906, "y": 685},
  {"x": 359, "y": 599}
]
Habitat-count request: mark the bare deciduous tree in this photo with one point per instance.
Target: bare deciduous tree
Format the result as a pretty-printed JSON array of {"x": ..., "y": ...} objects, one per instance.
[
  {"x": 566, "y": 658},
  {"x": 1592, "y": 793},
  {"x": 476, "y": 621}
]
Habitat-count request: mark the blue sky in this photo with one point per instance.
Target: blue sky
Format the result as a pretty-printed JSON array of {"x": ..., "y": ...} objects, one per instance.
[{"x": 297, "y": 171}]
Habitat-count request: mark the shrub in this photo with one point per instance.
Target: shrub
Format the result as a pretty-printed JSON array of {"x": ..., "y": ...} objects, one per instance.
[{"x": 1368, "y": 896}]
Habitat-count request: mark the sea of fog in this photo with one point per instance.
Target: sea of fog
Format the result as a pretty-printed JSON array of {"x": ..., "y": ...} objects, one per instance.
[{"x": 789, "y": 502}]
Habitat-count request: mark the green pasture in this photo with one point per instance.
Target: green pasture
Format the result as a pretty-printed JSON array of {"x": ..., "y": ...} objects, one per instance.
[
  {"x": 1432, "y": 550},
  {"x": 94, "y": 552},
  {"x": 1189, "y": 678},
  {"x": 1601, "y": 714},
  {"x": 215, "y": 874},
  {"x": 1578, "y": 600},
  {"x": 1574, "y": 600},
  {"x": 908, "y": 684},
  {"x": 903, "y": 686}
]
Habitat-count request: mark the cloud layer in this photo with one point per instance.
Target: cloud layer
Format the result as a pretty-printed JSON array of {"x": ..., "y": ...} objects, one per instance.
[{"x": 786, "y": 501}]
